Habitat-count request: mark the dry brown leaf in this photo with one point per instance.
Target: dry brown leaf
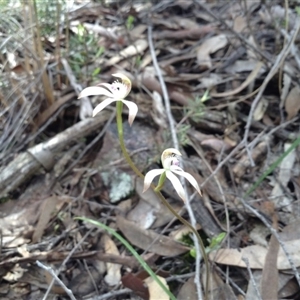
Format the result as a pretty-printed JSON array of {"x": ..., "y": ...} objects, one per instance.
[
  {"x": 270, "y": 274},
  {"x": 46, "y": 210},
  {"x": 155, "y": 290},
  {"x": 210, "y": 46},
  {"x": 191, "y": 33},
  {"x": 292, "y": 102},
  {"x": 234, "y": 257},
  {"x": 143, "y": 239},
  {"x": 240, "y": 23},
  {"x": 113, "y": 275},
  {"x": 260, "y": 109},
  {"x": 218, "y": 289},
  {"x": 136, "y": 284},
  {"x": 286, "y": 84},
  {"x": 256, "y": 256},
  {"x": 188, "y": 291}
]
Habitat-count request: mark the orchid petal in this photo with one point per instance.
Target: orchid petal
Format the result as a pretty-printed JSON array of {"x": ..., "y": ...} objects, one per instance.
[
  {"x": 188, "y": 177},
  {"x": 133, "y": 109},
  {"x": 176, "y": 184},
  {"x": 150, "y": 176},
  {"x": 94, "y": 90},
  {"x": 102, "y": 105}
]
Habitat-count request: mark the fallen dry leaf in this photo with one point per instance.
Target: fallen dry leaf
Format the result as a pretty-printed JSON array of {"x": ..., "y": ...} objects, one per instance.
[
  {"x": 155, "y": 290},
  {"x": 113, "y": 275},
  {"x": 188, "y": 291},
  {"x": 136, "y": 284},
  {"x": 292, "y": 102},
  {"x": 260, "y": 109},
  {"x": 256, "y": 256},
  {"x": 208, "y": 47},
  {"x": 138, "y": 47},
  {"x": 144, "y": 239},
  {"x": 46, "y": 212}
]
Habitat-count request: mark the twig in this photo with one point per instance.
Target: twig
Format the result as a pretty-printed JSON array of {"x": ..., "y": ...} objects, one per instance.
[
  {"x": 55, "y": 277},
  {"x": 231, "y": 281},
  {"x": 280, "y": 58},
  {"x": 176, "y": 145},
  {"x": 252, "y": 278},
  {"x": 294, "y": 49},
  {"x": 65, "y": 261},
  {"x": 111, "y": 294},
  {"x": 275, "y": 233}
]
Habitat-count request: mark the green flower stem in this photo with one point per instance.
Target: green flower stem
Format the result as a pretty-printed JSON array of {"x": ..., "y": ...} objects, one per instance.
[
  {"x": 161, "y": 197},
  {"x": 134, "y": 253},
  {"x": 121, "y": 139}
]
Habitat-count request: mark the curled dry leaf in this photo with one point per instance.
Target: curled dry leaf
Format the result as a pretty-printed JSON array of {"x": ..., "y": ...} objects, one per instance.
[
  {"x": 113, "y": 275},
  {"x": 208, "y": 47}
]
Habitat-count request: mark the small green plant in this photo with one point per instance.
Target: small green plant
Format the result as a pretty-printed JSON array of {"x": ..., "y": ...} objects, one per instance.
[
  {"x": 215, "y": 244},
  {"x": 195, "y": 108},
  {"x": 129, "y": 22},
  {"x": 83, "y": 50}
]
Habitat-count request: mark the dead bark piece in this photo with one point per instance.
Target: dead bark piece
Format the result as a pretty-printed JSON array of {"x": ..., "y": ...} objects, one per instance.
[{"x": 25, "y": 165}]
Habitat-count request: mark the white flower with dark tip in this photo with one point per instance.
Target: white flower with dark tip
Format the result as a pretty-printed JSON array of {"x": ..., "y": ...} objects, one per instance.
[
  {"x": 170, "y": 162},
  {"x": 116, "y": 91}
]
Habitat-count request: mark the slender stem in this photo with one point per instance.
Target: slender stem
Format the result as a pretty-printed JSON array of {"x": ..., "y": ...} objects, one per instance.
[
  {"x": 161, "y": 197},
  {"x": 121, "y": 139}
]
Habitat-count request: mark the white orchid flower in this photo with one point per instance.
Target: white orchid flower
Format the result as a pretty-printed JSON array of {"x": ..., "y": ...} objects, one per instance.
[
  {"x": 116, "y": 91},
  {"x": 170, "y": 162}
]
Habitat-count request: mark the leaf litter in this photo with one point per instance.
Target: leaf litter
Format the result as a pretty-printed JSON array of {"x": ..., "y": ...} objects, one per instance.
[{"x": 56, "y": 163}]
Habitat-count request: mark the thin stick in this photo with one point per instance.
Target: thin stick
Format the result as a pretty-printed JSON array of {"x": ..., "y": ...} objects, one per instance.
[
  {"x": 53, "y": 274},
  {"x": 176, "y": 145},
  {"x": 65, "y": 261},
  {"x": 246, "y": 261}
]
